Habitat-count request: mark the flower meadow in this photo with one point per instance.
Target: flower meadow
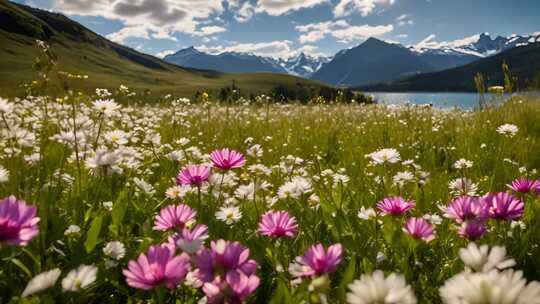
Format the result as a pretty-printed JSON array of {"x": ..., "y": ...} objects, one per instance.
[{"x": 108, "y": 200}]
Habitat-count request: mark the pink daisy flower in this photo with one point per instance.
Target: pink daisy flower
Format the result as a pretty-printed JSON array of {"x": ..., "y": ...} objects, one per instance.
[
  {"x": 465, "y": 208},
  {"x": 394, "y": 205},
  {"x": 226, "y": 159},
  {"x": 224, "y": 258},
  {"x": 18, "y": 222},
  {"x": 278, "y": 224},
  {"x": 503, "y": 206},
  {"x": 419, "y": 228},
  {"x": 194, "y": 175},
  {"x": 317, "y": 261},
  {"x": 174, "y": 217},
  {"x": 523, "y": 185},
  {"x": 190, "y": 240},
  {"x": 158, "y": 266},
  {"x": 473, "y": 229},
  {"x": 235, "y": 288}
]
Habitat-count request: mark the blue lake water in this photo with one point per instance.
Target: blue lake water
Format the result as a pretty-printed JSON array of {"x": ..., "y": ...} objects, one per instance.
[
  {"x": 461, "y": 100},
  {"x": 437, "y": 99}
]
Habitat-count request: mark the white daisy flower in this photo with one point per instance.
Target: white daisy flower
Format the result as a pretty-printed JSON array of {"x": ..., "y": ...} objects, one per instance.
[
  {"x": 376, "y": 288},
  {"x": 4, "y": 175},
  {"x": 383, "y": 156},
  {"x": 508, "y": 130},
  {"x": 115, "y": 250},
  {"x": 508, "y": 287},
  {"x": 462, "y": 163},
  {"x": 229, "y": 214},
  {"x": 484, "y": 259},
  {"x": 80, "y": 278},
  {"x": 72, "y": 230},
  {"x": 41, "y": 282},
  {"x": 366, "y": 213},
  {"x": 107, "y": 107}
]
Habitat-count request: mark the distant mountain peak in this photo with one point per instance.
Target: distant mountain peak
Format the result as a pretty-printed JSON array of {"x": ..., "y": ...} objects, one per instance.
[
  {"x": 480, "y": 45},
  {"x": 373, "y": 40},
  {"x": 186, "y": 51},
  {"x": 303, "y": 64}
]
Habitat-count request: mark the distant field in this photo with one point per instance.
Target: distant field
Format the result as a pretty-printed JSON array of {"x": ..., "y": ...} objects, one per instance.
[{"x": 106, "y": 69}]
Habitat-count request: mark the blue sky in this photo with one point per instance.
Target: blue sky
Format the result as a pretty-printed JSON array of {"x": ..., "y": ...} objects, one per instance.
[{"x": 282, "y": 28}]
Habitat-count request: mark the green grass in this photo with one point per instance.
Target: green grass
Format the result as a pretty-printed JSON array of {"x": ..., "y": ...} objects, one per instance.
[
  {"x": 106, "y": 69},
  {"x": 325, "y": 137}
]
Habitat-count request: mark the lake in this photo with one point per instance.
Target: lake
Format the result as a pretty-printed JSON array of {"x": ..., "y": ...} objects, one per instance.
[{"x": 438, "y": 99}]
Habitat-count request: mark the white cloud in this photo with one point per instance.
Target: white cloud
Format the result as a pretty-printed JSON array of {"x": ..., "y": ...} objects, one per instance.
[
  {"x": 244, "y": 12},
  {"x": 210, "y": 30},
  {"x": 273, "y": 49},
  {"x": 404, "y": 20},
  {"x": 316, "y": 31},
  {"x": 127, "y": 32},
  {"x": 364, "y": 7},
  {"x": 341, "y": 30},
  {"x": 280, "y": 7},
  {"x": 143, "y": 18},
  {"x": 162, "y": 54},
  {"x": 353, "y": 33}
]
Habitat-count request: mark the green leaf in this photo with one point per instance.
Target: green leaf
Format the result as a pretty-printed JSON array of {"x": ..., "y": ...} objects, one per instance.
[
  {"x": 348, "y": 277},
  {"x": 92, "y": 236},
  {"x": 119, "y": 208},
  {"x": 282, "y": 295},
  {"x": 22, "y": 267}
]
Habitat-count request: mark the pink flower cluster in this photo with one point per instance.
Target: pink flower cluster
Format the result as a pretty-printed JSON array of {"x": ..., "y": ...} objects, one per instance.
[
  {"x": 196, "y": 175},
  {"x": 159, "y": 266},
  {"x": 225, "y": 268},
  {"x": 472, "y": 213},
  {"x": 227, "y": 272}
]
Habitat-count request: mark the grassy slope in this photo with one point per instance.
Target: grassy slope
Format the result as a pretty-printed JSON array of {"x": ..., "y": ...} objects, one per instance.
[
  {"x": 107, "y": 64},
  {"x": 524, "y": 63}
]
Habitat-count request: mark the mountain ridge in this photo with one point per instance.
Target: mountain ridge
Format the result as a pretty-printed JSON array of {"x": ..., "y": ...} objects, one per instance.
[
  {"x": 524, "y": 64},
  {"x": 431, "y": 57},
  {"x": 233, "y": 62}
]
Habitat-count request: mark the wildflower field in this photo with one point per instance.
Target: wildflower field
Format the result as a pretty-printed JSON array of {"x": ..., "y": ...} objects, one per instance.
[{"x": 106, "y": 200}]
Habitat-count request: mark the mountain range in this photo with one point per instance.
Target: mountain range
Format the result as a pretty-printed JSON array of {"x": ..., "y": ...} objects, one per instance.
[
  {"x": 235, "y": 62},
  {"x": 361, "y": 65},
  {"x": 524, "y": 63}
]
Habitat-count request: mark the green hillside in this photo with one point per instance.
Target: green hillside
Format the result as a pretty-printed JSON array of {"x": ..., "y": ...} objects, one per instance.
[
  {"x": 81, "y": 51},
  {"x": 524, "y": 63}
]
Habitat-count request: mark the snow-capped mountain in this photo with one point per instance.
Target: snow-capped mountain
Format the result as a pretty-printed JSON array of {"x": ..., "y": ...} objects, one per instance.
[
  {"x": 303, "y": 65},
  {"x": 482, "y": 45},
  {"x": 230, "y": 62},
  {"x": 350, "y": 66}
]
